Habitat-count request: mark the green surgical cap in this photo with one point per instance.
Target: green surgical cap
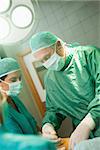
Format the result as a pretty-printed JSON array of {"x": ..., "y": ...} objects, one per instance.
[
  {"x": 43, "y": 40},
  {"x": 8, "y": 65}
]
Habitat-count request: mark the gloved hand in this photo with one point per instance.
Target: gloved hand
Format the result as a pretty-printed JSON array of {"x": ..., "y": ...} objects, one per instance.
[
  {"x": 81, "y": 133},
  {"x": 2, "y": 96},
  {"x": 49, "y": 132}
]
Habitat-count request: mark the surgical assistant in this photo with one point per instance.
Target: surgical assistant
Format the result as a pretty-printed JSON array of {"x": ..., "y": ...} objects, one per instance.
[{"x": 17, "y": 119}]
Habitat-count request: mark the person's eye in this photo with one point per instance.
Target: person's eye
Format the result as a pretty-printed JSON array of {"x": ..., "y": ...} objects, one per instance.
[
  {"x": 13, "y": 80},
  {"x": 46, "y": 57}
]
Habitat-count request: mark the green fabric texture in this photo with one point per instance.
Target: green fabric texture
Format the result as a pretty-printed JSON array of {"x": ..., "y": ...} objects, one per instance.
[
  {"x": 75, "y": 91},
  {"x": 19, "y": 122},
  {"x": 43, "y": 40},
  {"x": 23, "y": 142},
  {"x": 8, "y": 65}
]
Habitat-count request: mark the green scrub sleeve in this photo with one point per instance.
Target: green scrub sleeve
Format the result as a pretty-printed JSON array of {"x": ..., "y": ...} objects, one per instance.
[
  {"x": 52, "y": 115},
  {"x": 94, "y": 68}
]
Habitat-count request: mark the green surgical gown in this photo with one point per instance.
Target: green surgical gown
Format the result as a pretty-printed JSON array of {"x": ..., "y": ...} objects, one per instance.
[
  {"x": 75, "y": 90},
  {"x": 20, "y": 121}
]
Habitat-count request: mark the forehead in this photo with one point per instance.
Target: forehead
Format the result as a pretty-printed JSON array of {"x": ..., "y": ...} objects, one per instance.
[
  {"x": 43, "y": 52},
  {"x": 14, "y": 74}
]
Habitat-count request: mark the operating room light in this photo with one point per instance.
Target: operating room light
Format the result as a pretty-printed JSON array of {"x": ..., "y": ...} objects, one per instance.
[
  {"x": 22, "y": 16},
  {"x": 18, "y": 20},
  {"x": 4, "y": 5},
  {"x": 4, "y": 28}
]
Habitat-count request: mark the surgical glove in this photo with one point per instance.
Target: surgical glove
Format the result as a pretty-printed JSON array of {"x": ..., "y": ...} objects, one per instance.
[
  {"x": 81, "y": 133},
  {"x": 49, "y": 132}
]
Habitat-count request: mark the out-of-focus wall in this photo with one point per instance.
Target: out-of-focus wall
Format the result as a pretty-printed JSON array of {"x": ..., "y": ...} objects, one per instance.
[
  {"x": 72, "y": 21},
  {"x": 2, "y": 52}
]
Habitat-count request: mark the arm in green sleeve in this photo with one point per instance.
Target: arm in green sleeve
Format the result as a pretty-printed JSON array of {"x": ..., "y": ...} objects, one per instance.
[
  {"x": 52, "y": 114},
  {"x": 94, "y": 68}
]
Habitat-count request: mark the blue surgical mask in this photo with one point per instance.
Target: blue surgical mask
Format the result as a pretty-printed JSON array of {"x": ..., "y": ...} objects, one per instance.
[{"x": 14, "y": 88}]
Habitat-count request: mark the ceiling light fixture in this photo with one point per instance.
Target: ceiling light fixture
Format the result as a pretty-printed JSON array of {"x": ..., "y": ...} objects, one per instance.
[
  {"x": 4, "y": 28},
  {"x": 25, "y": 19},
  {"x": 4, "y": 5}
]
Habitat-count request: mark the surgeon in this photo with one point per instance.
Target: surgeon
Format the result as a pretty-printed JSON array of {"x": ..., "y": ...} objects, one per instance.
[
  {"x": 16, "y": 117},
  {"x": 72, "y": 86}
]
